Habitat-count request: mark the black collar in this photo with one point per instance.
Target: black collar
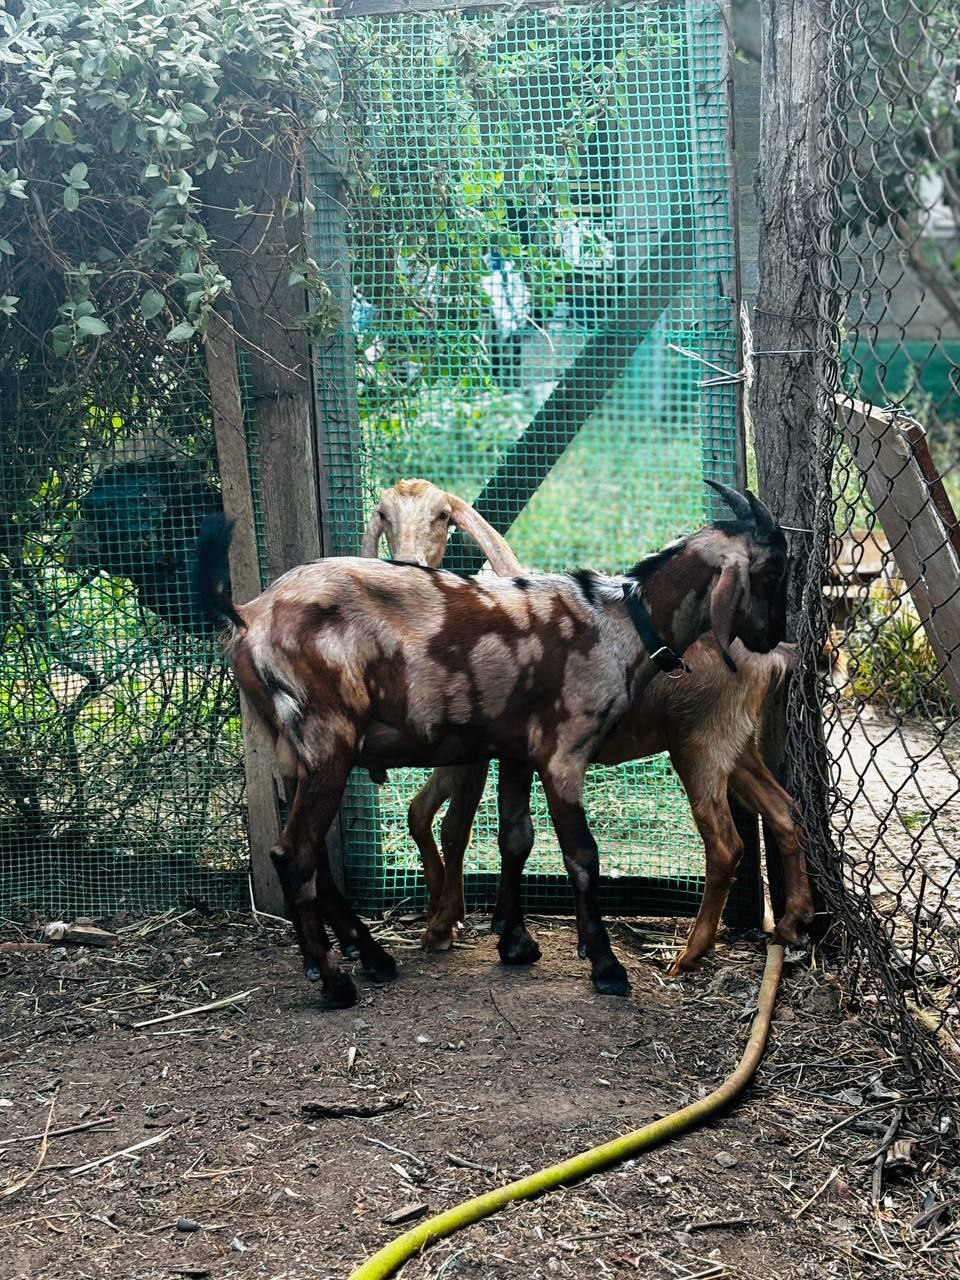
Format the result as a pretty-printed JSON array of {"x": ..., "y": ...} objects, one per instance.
[{"x": 657, "y": 650}]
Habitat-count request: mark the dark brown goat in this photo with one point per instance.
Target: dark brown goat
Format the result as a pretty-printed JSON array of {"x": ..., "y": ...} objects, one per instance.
[{"x": 362, "y": 662}]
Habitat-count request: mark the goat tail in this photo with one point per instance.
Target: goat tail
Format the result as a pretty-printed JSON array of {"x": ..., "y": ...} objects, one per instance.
[{"x": 212, "y": 570}]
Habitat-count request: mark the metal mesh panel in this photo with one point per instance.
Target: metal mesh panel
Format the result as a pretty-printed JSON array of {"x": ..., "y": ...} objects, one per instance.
[
  {"x": 889, "y": 562},
  {"x": 120, "y": 782},
  {"x": 520, "y": 292}
]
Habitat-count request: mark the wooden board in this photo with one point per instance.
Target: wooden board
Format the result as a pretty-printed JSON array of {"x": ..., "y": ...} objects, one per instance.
[{"x": 919, "y": 536}]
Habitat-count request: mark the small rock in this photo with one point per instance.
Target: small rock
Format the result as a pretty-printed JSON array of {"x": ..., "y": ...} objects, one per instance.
[
  {"x": 237, "y": 1245},
  {"x": 726, "y": 1160},
  {"x": 424, "y": 1040},
  {"x": 684, "y": 1238},
  {"x": 187, "y": 1224},
  {"x": 664, "y": 1180}
]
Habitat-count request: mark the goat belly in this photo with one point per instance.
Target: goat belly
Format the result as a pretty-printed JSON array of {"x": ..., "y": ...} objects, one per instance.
[{"x": 385, "y": 747}]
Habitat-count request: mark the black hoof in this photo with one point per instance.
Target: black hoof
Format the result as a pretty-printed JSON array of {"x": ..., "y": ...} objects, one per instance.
[
  {"x": 610, "y": 978},
  {"x": 381, "y": 969},
  {"x": 350, "y": 951},
  {"x": 339, "y": 992},
  {"x": 518, "y": 948},
  {"x": 312, "y": 973},
  {"x": 498, "y": 925}
]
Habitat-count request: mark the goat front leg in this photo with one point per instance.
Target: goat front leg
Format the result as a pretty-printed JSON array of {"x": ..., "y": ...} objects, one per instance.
[
  {"x": 466, "y": 792},
  {"x": 757, "y": 787},
  {"x": 516, "y": 944},
  {"x": 564, "y": 791},
  {"x": 723, "y": 849}
]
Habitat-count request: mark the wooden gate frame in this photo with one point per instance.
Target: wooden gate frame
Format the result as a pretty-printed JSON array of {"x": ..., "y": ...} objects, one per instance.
[{"x": 289, "y": 400}]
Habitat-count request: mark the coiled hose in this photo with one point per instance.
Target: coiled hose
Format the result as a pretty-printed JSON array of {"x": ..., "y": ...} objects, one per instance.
[{"x": 388, "y": 1260}]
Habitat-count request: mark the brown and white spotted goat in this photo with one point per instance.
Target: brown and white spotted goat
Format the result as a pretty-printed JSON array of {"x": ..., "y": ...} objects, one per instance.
[
  {"x": 364, "y": 662},
  {"x": 708, "y": 721}
]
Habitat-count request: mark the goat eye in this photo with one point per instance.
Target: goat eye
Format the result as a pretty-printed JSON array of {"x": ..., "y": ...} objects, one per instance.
[{"x": 444, "y": 516}]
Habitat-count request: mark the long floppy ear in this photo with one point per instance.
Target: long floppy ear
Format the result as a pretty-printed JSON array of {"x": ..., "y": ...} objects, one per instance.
[
  {"x": 370, "y": 543},
  {"x": 469, "y": 522},
  {"x": 725, "y": 599}
]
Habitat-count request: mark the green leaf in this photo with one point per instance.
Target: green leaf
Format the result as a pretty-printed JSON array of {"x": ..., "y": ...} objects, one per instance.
[
  {"x": 151, "y": 304},
  {"x": 6, "y": 246},
  {"x": 118, "y": 134},
  {"x": 5, "y": 115},
  {"x": 92, "y": 327},
  {"x": 181, "y": 332},
  {"x": 71, "y": 198},
  {"x": 63, "y": 133},
  {"x": 77, "y": 174},
  {"x": 33, "y": 125},
  {"x": 190, "y": 113}
]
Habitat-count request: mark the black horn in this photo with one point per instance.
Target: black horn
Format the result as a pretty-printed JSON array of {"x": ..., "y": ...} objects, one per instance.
[
  {"x": 741, "y": 507},
  {"x": 765, "y": 520}
]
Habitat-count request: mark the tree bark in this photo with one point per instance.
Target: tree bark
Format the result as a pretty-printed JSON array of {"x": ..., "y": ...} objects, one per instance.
[{"x": 783, "y": 390}]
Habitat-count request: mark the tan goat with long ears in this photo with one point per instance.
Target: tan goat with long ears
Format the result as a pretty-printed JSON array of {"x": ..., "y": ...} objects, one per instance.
[{"x": 708, "y": 721}]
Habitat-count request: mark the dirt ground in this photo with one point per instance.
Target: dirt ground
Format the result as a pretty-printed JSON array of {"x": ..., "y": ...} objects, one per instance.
[{"x": 481, "y": 1074}]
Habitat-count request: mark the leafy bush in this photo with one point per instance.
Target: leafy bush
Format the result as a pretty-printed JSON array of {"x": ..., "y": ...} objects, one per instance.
[
  {"x": 892, "y": 663},
  {"x": 117, "y": 116}
]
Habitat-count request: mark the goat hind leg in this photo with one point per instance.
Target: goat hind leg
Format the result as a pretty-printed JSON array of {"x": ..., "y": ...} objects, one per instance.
[
  {"x": 466, "y": 792},
  {"x": 296, "y": 858},
  {"x": 582, "y": 860},
  {"x": 516, "y": 944},
  {"x": 756, "y": 785}
]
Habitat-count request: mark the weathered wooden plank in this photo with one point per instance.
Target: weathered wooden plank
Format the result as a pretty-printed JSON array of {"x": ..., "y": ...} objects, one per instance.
[
  {"x": 258, "y": 250},
  {"x": 918, "y": 535},
  {"x": 259, "y": 764},
  {"x": 603, "y": 359}
]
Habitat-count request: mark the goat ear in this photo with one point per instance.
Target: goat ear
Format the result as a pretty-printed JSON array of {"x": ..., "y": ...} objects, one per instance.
[
  {"x": 472, "y": 524},
  {"x": 370, "y": 543},
  {"x": 725, "y": 599}
]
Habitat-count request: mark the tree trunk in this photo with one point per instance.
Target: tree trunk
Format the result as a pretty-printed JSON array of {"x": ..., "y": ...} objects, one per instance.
[{"x": 783, "y": 390}]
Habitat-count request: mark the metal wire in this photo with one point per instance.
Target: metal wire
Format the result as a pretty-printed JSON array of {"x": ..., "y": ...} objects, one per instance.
[{"x": 884, "y": 843}]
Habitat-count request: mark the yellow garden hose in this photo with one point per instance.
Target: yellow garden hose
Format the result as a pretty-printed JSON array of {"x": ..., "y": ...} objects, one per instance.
[{"x": 388, "y": 1260}]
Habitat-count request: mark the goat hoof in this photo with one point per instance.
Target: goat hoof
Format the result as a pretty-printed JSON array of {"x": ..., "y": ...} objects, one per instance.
[
  {"x": 437, "y": 938},
  {"x": 518, "y": 948},
  {"x": 610, "y": 978},
  {"x": 312, "y": 972},
  {"x": 350, "y": 951},
  {"x": 498, "y": 925},
  {"x": 380, "y": 969},
  {"x": 339, "y": 992}
]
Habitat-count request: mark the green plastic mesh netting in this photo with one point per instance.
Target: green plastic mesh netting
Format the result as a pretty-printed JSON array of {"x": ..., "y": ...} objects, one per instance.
[{"x": 528, "y": 309}]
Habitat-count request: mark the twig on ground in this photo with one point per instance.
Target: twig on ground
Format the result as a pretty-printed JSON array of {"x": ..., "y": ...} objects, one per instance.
[
  {"x": 116, "y": 1155},
  {"x": 223, "y": 1003},
  {"x": 60, "y": 1133},
  {"x": 13, "y": 1187},
  {"x": 835, "y": 1173},
  {"x": 461, "y": 1162},
  {"x": 323, "y": 1109},
  {"x": 397, "y": 1151},
  {"x": 504, "y": 1016}
]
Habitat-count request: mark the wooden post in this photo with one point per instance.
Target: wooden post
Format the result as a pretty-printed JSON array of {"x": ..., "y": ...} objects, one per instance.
[
  {"x": 259, "y": 764},
  {"x": 919, "y": 529},
  {"x": 783, "y": 391},
  {"x": 267, "y": 315}
]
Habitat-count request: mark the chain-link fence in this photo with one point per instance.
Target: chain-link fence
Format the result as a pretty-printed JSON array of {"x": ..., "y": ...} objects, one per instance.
[{"x": 885, "y": 585}]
